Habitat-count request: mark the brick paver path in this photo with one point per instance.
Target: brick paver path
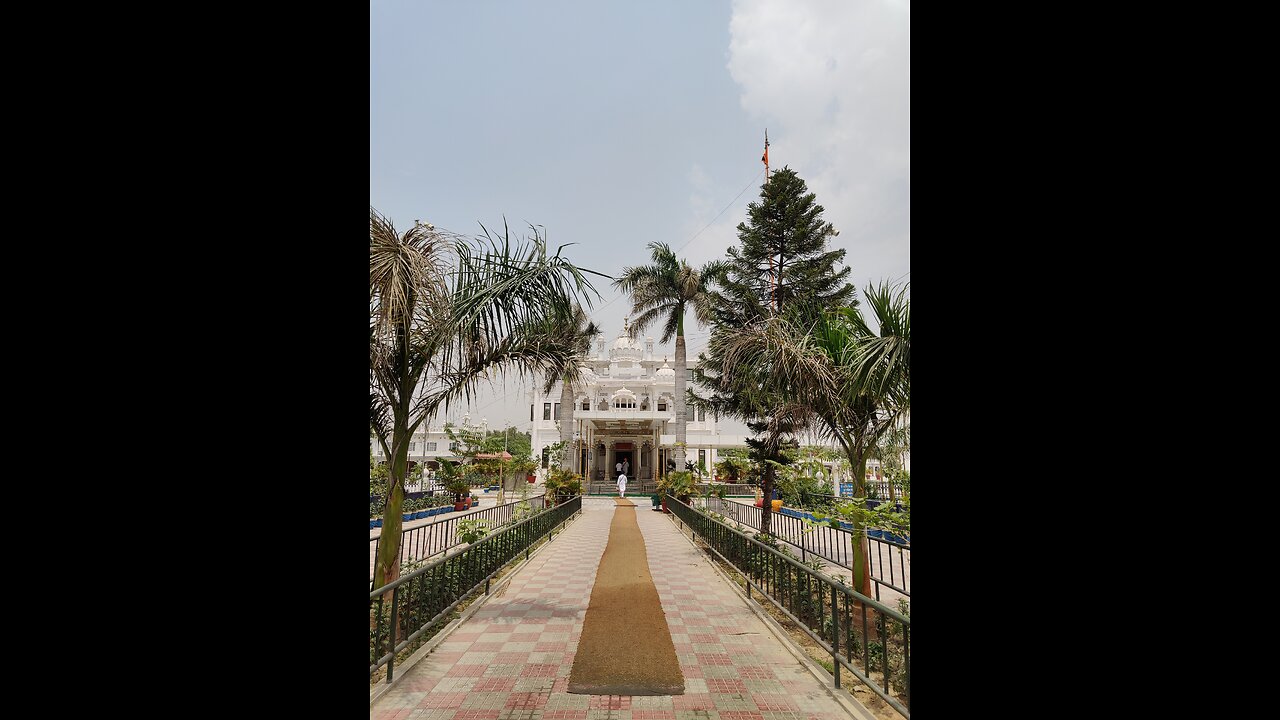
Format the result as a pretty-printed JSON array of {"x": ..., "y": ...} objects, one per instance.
[{"x": 511, "y": 660}]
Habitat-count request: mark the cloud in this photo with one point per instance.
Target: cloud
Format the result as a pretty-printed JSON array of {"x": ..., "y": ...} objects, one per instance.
[{"x": 832, "y": 82}]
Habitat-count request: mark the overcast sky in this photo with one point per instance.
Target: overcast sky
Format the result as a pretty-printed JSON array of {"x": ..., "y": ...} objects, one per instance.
[{"x": 614, "y": 124}]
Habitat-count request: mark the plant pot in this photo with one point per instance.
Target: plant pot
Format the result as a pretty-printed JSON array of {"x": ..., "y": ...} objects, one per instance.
[
  {"x": 875, "y": 534},
  {"x": 664, "y": 505},
  {"x": 420, "y": 514},
  {"x": 459, "y": 506},
  {"x": 777, "y": 505},
  {"x": 406, "y": 518},
  {"x": 372, "y": 524}
]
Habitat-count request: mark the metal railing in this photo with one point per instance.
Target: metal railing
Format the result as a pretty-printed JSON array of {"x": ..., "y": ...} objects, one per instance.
[
  {"x": 420, "y": 543},
  {"x": 850, "y": 626},
  {"x": 880, "y": 490},
  {"x": 834, "y": 545},
  {"x": 425, "y": 597},
  {"x": 741, "y": 489}
]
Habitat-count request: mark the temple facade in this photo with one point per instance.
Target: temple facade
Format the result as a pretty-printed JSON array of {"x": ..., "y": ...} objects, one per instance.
[{"x": 624, "y": 412}]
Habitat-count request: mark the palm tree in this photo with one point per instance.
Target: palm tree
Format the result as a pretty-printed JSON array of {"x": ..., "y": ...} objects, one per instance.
[
  {"x": 665, "y": 290},
  {"x": 849, "y": 381},
  {"x": 444, "y": 312},
  {"x": 583, "y": 330}
]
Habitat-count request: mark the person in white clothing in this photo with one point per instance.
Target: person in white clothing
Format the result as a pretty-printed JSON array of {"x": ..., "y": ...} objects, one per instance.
[
  {"x": 618, "y": 467},
  {"x": 622, "y": 485}
]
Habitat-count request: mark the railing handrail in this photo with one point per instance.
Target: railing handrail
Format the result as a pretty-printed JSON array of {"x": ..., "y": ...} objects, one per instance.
[
  {"x": 796, "y": 563},
  {"x": 904, "y": 546},
  {"x": 373, "y": 594},
  {"x": 404, "y": 530}
]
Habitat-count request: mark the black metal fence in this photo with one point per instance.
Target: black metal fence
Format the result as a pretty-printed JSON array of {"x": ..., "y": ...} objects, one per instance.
[
  {"x": 862, "y": 635},
  {"x": 739, "y": 489},
  {"x": 876, "y": 491},
  {"x": 420, "y": 543},
  {"x": 887, "y": 561},
  {"x": 425, "y": 597}
]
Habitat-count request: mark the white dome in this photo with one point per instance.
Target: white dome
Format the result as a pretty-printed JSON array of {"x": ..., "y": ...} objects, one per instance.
[
  {"x": 625, "y": 348},
  {"x": 665, "y": 371},
  {"x": 624, "y": 393}
]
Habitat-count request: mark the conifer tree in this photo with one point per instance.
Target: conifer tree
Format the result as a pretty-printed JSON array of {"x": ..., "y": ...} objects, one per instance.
[
  {"x": 783, "y": 259},
  {"x": 783, "y": 265}
]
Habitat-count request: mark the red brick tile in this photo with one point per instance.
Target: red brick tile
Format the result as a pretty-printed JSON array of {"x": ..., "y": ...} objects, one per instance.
[
  {"x": 495, "y": 685},
  {"x": 721, "y": 685},
  {"x": 527, "y": 701},
  {"x": 610, "y": 702},
  {"x": 714, "y": 659}
]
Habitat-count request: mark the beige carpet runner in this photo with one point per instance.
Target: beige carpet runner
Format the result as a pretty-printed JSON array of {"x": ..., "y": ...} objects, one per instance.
[{"x": 626, "y": 646}]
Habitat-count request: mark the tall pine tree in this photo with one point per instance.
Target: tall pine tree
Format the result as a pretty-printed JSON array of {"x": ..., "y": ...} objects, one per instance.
[
  {"x": 782, "y": 266},
  {"x": 784, "y": 259}
]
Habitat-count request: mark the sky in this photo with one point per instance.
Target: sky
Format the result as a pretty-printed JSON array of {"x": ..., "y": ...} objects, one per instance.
[{"x": 610, "y": 125}]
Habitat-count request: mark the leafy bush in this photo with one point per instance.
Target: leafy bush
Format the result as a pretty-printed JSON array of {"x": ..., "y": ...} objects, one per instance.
[{"x": 471, "y": 530}]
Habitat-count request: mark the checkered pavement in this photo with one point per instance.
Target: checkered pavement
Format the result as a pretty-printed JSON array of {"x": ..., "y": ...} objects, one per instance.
[{"x": 511, "y": 659}]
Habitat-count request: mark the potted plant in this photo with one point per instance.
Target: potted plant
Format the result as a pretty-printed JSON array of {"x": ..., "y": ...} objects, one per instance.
[
  {"x": 459, "y": 487},
  {"x": 677, "y": 484},
  {"x": 525, "y": 466},
  {"x": 552, "y": 486},
  {"x": 572, "y": 487},
  {"x": 561, "y": 485}
]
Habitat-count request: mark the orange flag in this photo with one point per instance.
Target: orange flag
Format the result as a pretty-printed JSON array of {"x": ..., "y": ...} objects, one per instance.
[{"x": 765, "y": 158}]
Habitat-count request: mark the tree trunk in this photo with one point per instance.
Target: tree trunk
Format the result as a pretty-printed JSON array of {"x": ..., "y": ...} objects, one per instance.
[
  {"x": 569, "y": 459},
  {"x": 766, "y": 507},
  {"x": 387, "y": 565},
  {"x": 861, "y": 580},
  {"x": 681, "y": 372}
]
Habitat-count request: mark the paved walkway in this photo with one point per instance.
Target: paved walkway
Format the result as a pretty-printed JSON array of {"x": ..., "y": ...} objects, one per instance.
[{"x": 511, "y": 660}]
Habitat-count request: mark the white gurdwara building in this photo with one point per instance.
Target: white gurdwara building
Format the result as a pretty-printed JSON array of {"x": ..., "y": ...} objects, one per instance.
[{"x": 624, "y": 410}]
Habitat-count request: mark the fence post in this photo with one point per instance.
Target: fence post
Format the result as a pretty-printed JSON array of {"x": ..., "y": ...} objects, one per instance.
[
  {"x": 835, "y": 636},
  {"x": 395, "y": 631}
]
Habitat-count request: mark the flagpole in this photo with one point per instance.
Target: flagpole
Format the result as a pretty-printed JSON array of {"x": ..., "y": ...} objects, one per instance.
[{"x": 773, "y": 293}]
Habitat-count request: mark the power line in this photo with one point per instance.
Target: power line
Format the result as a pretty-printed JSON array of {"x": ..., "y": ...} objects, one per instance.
[{"x": 695, "y": 235}]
